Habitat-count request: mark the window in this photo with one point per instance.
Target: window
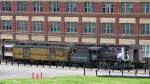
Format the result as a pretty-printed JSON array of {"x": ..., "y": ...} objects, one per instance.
[
  {"x": 71, "y": 27},
  {"x": 88, "y": 7},
  {"x": 145, "y": 30},
  {"x": 6, "y": 25},
  {"x": 21, "y": 6},
  {"x": 127, "y": 28},
  {"x": 126, "y": 7},
  {"x": 107, "y": 7},
  {"x": 37, "y": 6},
  {"x": 37, "y": 26},
  {"x": 6, "y": 6},
  {"x": 107, "y": 28},
  {"x": 22, "y": 26},
  {"x": 71, "y": 7},
  {"x": 146, "y": 50},
  {"x": 89, "y": 27},
  {"x": 55, "y": 26},
  {"x": 55, "y": 7},
  {"x": 146, "y": 7}
]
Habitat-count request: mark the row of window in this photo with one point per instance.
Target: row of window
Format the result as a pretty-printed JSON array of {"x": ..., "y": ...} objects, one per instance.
[
  {"x": 106, "y": 28},
  {"x": 126, "y": 7}
]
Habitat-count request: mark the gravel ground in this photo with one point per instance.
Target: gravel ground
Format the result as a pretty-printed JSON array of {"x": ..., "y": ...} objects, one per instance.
[{"x": 10, "y": 72}]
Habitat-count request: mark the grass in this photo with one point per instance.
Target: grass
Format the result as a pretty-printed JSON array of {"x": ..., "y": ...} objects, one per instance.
[{"x": 78, "y": 80}]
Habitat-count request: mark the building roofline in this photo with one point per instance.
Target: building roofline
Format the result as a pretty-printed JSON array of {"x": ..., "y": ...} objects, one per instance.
[{"x": 84, "y": 0}]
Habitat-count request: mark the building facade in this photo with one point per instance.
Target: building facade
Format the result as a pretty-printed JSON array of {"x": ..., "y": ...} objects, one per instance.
[{"x": 110, "y": 22}]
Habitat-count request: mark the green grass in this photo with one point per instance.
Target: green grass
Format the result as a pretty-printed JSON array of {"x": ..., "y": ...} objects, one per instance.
[{"x": 79, "y": 80}]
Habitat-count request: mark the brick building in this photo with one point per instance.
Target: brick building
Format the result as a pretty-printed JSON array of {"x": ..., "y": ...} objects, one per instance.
[{"x": 110, "y": 22}]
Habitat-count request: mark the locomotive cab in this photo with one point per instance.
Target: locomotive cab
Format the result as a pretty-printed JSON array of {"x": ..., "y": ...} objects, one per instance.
[{"x": 80, "y": 55}]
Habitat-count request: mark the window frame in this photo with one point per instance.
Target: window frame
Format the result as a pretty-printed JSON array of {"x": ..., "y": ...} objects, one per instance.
[
  {"x": 22, "y": 26},
  {"x": 89, "y": 27},
  {"x": 126, "y": 28},
  {"x": 146, "y": 28},
  {"x": 71, "y": 27},
  {"x": 126, "y": 7},
  {"x": 37, "y": 26},
  {"x": 108, "y": 7},
  {"x": 88, "y": 7},
  {"x": 21, "y": 6},
  {"x": 71, "y": 7},
  {"x": 6, "y": 6},
  {"x": 146, "y": 7},
  {"x": 7, "y": 25},
  {"x": 37, "y": 6},
  {"x": 55, "y": 26},
  {"x": 55, "y": 6},
  {"x": 107, "y": 28}
]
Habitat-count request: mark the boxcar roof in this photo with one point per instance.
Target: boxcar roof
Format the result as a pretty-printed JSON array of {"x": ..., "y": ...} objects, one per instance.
[{"x": 37, "y": 46}]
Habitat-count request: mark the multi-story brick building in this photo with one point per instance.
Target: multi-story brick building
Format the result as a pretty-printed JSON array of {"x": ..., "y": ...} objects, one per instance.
[{"x": 111, "y": 22}]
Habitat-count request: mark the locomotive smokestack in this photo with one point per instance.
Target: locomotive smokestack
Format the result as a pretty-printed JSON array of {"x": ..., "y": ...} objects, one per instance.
[{"x": 123, "y": 50}]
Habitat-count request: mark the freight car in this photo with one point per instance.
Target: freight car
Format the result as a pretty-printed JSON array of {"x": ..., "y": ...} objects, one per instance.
[
  {"x": 37, "y": 53},
  {"x": 97, "y": 55}
]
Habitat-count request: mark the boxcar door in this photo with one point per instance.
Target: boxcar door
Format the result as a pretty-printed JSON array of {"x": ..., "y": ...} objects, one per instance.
[{"x": 26, "y": 53}]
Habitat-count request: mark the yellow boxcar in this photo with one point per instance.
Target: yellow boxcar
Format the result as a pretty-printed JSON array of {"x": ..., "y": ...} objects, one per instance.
[
  {"x": 61, "y": 54},
  {"x": 18, "y": 53},
  {"x": 39, "y": 54}
]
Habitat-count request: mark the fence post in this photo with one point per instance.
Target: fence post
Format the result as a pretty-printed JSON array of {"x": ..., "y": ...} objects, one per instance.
[
  {"x": 30, "y": 63},
  {"x": 149, "y": 73},
  {"x": 43, "y": 64},
  {"x": 136, "y": 71},
  {"x": 12, "y": 62},
  {"x": 63, "y": 66},
  {"x": 84, "y": 71},
  {"x": 145, "y": 69},
  {"x": 6, "y": 62},
  {"x": 122, "y": 72},
  {"x": 49, "y": 64},
  {"x": 18, "y": 63},
  {"x": 0, "y": 61},
  {"x": 96, "y": 72},
  {"x": 56, "y": 64},
  {"x": 109, "y": 72},
  {"x": 91, "y": 67},
  {"x": 37, "y": 64}
]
